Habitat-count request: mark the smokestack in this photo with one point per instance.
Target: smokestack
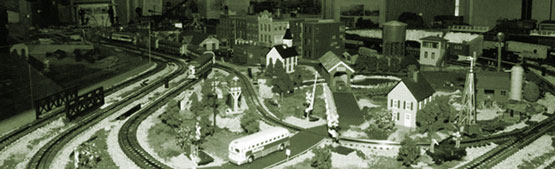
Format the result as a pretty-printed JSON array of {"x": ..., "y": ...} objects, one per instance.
[
  {"x": 526, "y": 11},
  {"x": 415, "y": 76}
]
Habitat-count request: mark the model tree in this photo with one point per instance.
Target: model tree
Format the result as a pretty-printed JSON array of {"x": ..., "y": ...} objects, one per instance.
[
  {"x": 435, "y": 115},
  {"x": 531, "y": 92},
  {"x": 322, "y": 158},
  {"x": 269, "y": 70},
  {"x": 249, "y": 122},
  {"x": 282, "y": 82},
  {"x": 297, "y": 78},
  {"x": 381, "y": 123},
  {"x": 409, "y": 152},
  {"x": 171, "y": 117}
]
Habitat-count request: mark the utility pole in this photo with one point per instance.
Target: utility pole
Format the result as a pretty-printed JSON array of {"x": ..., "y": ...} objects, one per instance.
[{"x": 150, "y": 43}]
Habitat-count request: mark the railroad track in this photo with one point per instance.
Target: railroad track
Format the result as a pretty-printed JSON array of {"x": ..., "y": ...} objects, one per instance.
[
  {"x": 15, "y": 135},
  {"x": 45, "y": 156},
  {"x": 500, "y": 153},
  {"x": 129, "y": 143}
]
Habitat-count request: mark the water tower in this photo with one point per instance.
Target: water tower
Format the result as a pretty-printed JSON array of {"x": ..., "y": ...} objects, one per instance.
[{"x": 394, "y": 35}]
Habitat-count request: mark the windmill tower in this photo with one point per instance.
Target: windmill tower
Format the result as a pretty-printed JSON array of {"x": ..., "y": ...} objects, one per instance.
[{"x": 468, "y": 115}]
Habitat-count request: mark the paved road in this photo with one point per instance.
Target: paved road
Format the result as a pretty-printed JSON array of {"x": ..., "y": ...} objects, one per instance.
[
  {"x": 348, "y": 110},
  {"x": 299, "y": 142}
]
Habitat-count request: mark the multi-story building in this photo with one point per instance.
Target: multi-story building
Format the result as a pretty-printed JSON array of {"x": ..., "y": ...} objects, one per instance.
[
  {"x": 226, "y": 30},
  {"x": 271, "y": 30},
  {"x": 432, "y": 51},
  {"x": 318, "y": 37}
]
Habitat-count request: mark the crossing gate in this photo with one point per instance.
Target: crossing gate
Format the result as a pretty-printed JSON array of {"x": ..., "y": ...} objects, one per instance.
[
  {"x": 85, "y": 103},
  {"x": 55, "y": 100}
]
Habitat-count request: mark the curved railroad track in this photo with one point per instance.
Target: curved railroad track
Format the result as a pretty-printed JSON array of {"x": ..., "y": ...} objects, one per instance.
[
  {"x": 44, "y": 157},
  {"x": 13, "y": 136},
  {"x": 129, "y": 143}
]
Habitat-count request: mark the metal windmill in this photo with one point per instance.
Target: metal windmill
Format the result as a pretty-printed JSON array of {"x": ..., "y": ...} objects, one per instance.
[{"x": 468, "y": 115}]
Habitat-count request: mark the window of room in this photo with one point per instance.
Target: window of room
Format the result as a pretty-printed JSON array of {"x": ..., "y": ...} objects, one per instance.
[
  {"x": 398, "y": 104},
  {"x": 433, "y": 55},
  {"x": 398, "y": 116},
  {"x": 489, "y": 91},
  {"x": 503, "y": 93},
  {"x": 425, "y": 54},
  {"x": 404, "y": 105},
  {"x": 411, "y": 105}
]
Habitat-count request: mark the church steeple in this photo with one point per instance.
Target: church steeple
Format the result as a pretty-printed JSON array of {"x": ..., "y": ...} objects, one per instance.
[{"x": 288, "y": 38}]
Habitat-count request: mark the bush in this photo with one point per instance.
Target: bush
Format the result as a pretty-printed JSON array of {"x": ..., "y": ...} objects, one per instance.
[
  {"x": 531, "y": 92},
  {"x": 409, "y": 152},
  {"x": 249, "y": 122},
  {"x": 322, "y": 158}
]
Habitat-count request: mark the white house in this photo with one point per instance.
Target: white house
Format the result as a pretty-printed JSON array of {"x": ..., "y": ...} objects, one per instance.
[
  {"x": 288, "y": 56},
  {"x": 432, "y": 51},
  {"x": 205, "y": 41},
  {"x": 407, "y": 97}
]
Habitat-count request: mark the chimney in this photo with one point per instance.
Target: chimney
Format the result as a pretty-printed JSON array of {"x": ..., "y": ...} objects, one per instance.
[{"x": 415, "y": 76}]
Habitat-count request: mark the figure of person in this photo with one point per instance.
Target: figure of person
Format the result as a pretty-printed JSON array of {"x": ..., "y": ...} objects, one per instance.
[
  {"x": 111, "y": 15},
  {"x": 82, "y": 16}
]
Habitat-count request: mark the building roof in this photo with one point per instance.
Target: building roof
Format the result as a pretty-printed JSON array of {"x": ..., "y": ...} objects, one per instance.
[
  {"x": 492, "y": 80},
  {"x": 433, "y": 38},
  {"x": 285, "y": 51},
  {"x": 411, "y": 34},
  {"x": 330, "y": 61},
  {"x": 459, "y": 37},
  {"x": 420, "y": 88},
  {"x": 198, "y": 38},
  {"x": 287, "y": 34},
  {"x": 394, "y": 23}
]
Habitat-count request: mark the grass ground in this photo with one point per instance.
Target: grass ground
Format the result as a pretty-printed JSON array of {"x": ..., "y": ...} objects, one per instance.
[
  {"x": 218, "y": 143},
  {"x": 437, "y": 79},
  {"x": 162, "y": 139},
  {"x": 99, "y": 140},
  {"x": 385, "y": 163},
  {"x": 302, "y": 165},
  {"x": 292, "y": 105}
]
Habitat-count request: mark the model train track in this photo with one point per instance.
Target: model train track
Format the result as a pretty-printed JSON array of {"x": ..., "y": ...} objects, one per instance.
[
  {"x": 45, "y": 156},
  {"x": 143, "y": 159},
  {"x": 15, "y": 135},
  {"x": 500, "y": 153},
  {"x": 127, "y": 136}
]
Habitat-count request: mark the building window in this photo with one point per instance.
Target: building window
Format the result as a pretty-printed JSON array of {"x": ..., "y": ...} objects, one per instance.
[
  {"x": 503, "y": 93},
  {"x": 404, "y": 105},
  {"x": 489, "y": 91},
  {"x": 391, "y": 103},
  {"x": 411, "y": 104},
  {"x": 433, "y": 55},
  {"x": 398, "y": 104},
  {"x": 407, "y": 117},
  {"x": 425, "y": 54},
  {"x": 398, "y": 116}
]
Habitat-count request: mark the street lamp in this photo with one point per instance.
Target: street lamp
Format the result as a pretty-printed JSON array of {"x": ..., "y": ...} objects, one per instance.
[{"x": 499, "y": 44}]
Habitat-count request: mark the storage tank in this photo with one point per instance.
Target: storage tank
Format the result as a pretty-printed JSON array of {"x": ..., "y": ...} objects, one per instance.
[
  {"x": 394, "y": 35},
  {"x": 394, "y": 31},
  {"x": 517, "y": 73}
]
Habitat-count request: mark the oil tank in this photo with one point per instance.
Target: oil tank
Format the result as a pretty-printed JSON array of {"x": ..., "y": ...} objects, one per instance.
[
  {"x": 517, "y": 73},
  {"x": 394, "y": 31}
]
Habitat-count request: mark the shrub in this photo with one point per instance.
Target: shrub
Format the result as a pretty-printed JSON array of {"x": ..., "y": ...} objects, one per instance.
[
  {"x": 409, "y": 152},
  {"x": 322, "y": 158},
  {"x": 249, "y": 122}
]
